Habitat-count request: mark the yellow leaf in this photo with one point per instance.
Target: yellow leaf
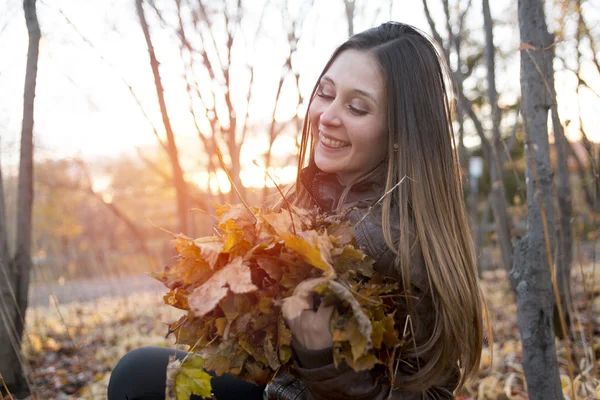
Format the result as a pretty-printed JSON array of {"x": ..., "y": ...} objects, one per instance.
[
  {"x": 220, "y": 324},
  {"x": 36, "y": 342},
  {"x": 365, "y": 362},
  {"x": 187, "y": 378},
  {"x": 257, "y": 352},
  {"x": 390, "y": 335},
  {"x": 351, "y": 333},
  {"x": 233, "y": 235},
  {"x": 284, "y": 341},
  {"x": 377, "y": 334},
  {"x": 315, "y": 249},
  {"x": 192, "y": 379}
]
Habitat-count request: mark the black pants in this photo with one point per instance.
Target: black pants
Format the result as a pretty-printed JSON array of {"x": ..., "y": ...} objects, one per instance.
[{"x": 141, "y": 375}]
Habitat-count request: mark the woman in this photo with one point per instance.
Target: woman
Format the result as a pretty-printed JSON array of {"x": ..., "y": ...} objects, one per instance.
[{"x": 379, "y": 123}]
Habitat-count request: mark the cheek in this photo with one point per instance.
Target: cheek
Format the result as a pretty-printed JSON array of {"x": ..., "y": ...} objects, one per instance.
[
  {"x": 369, "y": 135},
  {"x": 370, "y": 141}
]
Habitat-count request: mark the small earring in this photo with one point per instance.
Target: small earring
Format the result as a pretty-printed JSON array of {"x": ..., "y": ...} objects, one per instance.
[{"x": 396, "y": 146}]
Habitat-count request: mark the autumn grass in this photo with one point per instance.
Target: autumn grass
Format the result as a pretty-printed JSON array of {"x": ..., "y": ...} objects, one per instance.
[{"x": 72, "y": 348}]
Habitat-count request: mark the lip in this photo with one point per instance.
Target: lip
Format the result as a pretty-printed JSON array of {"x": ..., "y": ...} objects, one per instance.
[
  {"x": 331, "y": 137},
  {"x": 332, "y": 149}
]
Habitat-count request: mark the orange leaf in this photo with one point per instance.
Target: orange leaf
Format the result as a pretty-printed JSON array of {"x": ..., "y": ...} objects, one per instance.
[
  {"x": 210, "y": 248},
  {"x": 281, "y": 222},
  {"x": 526, "y": 46},
  {"x": 235, "y": 275},
  {"x": 177, "y": 299}
]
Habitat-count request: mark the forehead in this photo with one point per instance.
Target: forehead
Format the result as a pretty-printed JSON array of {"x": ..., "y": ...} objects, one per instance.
[{"x": 355, "y": 69}]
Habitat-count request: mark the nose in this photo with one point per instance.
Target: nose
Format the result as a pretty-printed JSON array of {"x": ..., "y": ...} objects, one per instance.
[{"x": 330, "y": 115}]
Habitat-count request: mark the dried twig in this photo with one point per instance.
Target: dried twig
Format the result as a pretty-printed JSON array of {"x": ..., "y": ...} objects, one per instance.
[
  {"x": 289, "y": 206},
  {"x": 6, "y": 388},
  {"x": 233, "y": 183},
  {"x": 380, "y": 200}
]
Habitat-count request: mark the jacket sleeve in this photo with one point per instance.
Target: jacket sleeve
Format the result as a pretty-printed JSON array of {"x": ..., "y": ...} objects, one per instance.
[{"x": 324, "y": 381}]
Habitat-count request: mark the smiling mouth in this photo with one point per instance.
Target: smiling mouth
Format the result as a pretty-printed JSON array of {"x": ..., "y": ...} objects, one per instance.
[{"x": 332, "y": 143}]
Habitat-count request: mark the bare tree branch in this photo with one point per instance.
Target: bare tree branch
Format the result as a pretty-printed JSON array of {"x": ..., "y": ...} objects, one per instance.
[
  {"x": 109, "y": 64},
  {"x": 178, "y": 180}
]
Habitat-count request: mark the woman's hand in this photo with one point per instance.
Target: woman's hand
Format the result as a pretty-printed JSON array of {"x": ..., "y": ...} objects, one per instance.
[{"x": 311, "y": 328}]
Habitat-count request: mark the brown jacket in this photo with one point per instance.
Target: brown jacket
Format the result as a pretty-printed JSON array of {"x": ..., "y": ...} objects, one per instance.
[{"x": 317, "y": 377}]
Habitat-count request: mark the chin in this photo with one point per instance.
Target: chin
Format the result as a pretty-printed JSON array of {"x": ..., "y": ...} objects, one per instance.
[{"x": 327, "y": 166}]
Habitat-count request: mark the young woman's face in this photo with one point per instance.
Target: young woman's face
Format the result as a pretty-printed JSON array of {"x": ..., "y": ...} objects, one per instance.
[{"x": 348, "y": 114}]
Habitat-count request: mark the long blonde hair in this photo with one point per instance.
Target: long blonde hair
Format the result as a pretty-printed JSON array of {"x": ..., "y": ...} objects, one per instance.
[{"x": 430, "y": 203}]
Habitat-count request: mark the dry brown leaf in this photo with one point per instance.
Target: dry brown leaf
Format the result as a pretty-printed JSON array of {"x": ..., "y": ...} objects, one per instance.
[{"x": 235, "y": 276}]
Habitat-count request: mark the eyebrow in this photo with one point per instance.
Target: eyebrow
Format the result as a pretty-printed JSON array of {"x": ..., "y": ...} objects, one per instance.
[{"x": 361, "y": 92}]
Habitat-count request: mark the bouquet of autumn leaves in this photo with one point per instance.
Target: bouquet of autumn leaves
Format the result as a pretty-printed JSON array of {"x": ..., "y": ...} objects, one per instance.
[{"x": 260, "y": 266}]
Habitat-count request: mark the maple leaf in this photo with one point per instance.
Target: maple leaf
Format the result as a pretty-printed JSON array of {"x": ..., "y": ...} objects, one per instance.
[
  {"x": 281, "y": 222},
  {"x": 177, "y": 298},
  {"x": 346, "y": 329},
  {"x": 186, "y": 272},
  {"x": 351, "y": 260},
  {"x": 210, "y": 248},
  {"x": 221, "y": 325},
  {"x": 219, "y": 359},
  {"x": 377, "y": 335},
  {"x": 284, "y": 341},
  {"x": 271, "y": 266},
  {"x": 271, "y": 354},
  {"x": 342, "y": 234},
  {"x": 257, "y": 352},
  {"x": 186, "y": 248},
  {"x": 235, "y": 276},
  {"x": 390, "y": 335},
  {"x": 314, "y": 248},
  {"x": 237, "y": 213},
  {"x": 187, "y": 378}
]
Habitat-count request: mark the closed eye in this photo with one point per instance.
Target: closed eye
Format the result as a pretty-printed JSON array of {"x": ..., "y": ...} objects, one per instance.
[
  {"x": 356, "y": 111},
  {"x": 324, "y": 96}
]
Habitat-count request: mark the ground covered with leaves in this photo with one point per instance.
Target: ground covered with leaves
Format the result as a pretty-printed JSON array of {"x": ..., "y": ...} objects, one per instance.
[{"x": 72, "y": 348}]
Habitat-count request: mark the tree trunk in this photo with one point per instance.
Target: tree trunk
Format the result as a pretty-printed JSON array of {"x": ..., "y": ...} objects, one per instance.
[
  {"x": 503, "y": 225},
  {"x": 15, "y": 288},
  {"x": 181, "y": 188},
  {"x": 9, "y": 361},
  {"x": 530, "y": 275},
  {"x": 350, "y": 7}
]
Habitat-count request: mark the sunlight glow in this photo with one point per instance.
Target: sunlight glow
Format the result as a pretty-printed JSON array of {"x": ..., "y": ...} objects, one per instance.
[
  {"x": 254, "y": 177},
  {"x": 101, "y": 183}
]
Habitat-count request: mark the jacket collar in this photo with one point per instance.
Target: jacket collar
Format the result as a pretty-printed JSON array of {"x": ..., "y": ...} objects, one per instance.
[{"x": 326, "y": 190}]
